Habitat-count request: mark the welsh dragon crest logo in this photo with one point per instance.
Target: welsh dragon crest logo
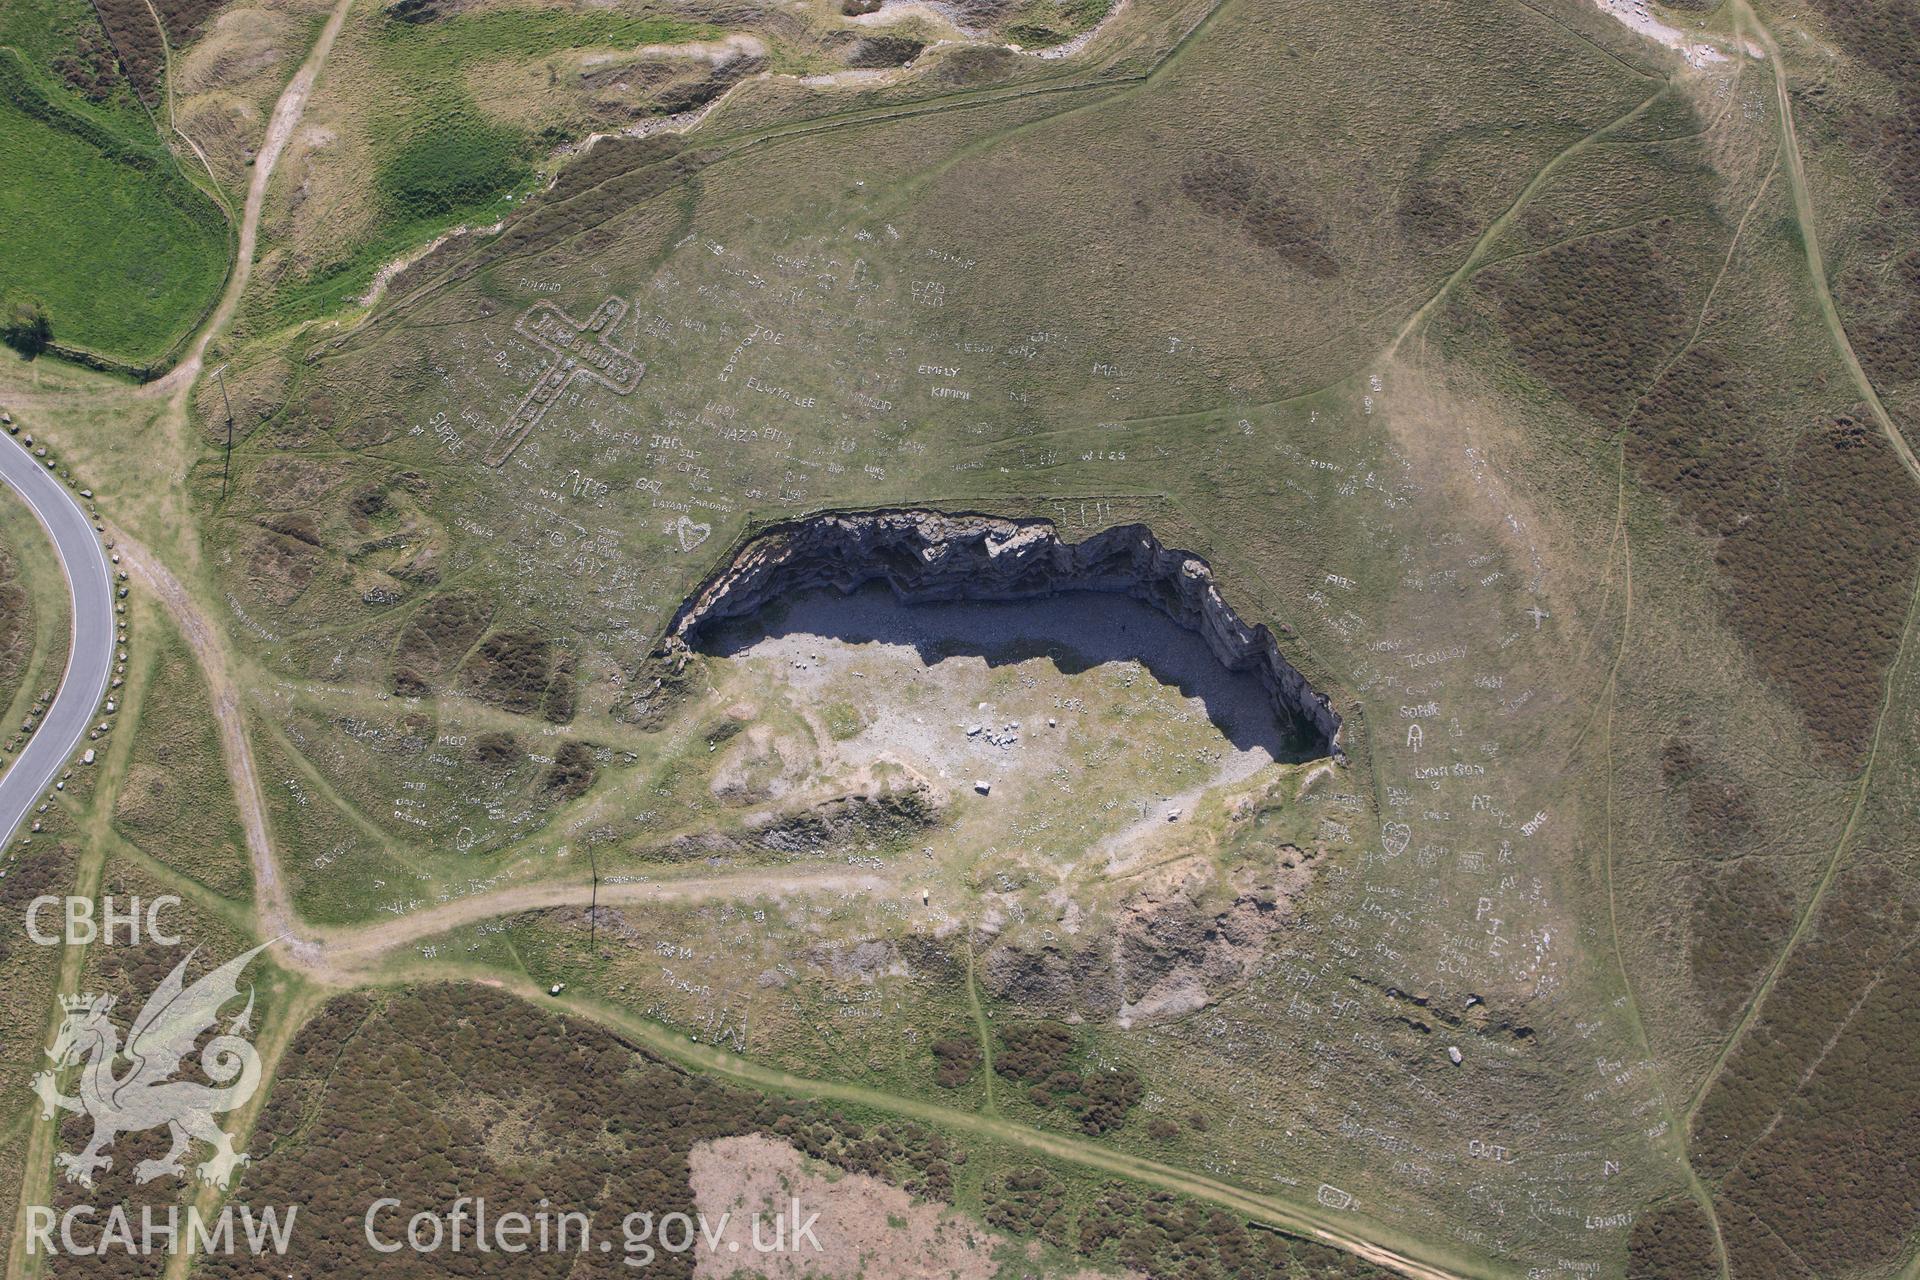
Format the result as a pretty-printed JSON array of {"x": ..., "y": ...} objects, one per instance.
[{"x": 143, "y": 1095}]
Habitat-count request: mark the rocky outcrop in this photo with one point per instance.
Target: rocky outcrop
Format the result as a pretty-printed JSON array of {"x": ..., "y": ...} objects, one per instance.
[
  {"x": 926, "y": 556},
  {"x": 1172, "y": 949},
  {"x": 889, "y": 813}
]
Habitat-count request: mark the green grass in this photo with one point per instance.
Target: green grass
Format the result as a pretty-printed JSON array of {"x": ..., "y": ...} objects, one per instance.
[
  {"x": 35, "y": 28},
  {"x": 453, "y": 168},
  {"x": 45, "y": 31},
  {"x": 443, "y": 163},
  {"x": 102, "y": 227},
  {"x": 454, "y": 164},
  {"x": 174, "y": 802},
  {"x": 1050, "y": 22}
]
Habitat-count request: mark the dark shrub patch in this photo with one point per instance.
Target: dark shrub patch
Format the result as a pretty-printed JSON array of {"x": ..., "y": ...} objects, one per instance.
[
  {"x": 185, "y": 20},
  {"x": 437, "y": 636},
  {"x": 1593, "y": 319},
  {"x": 496, "y": 751},
  {"x": 571, "y": 772},
  {"x": 562, "y": 693},
  {"x": 1717, "y": 808},
  {"x": 1818, "y": 582},
  {"x": 1672, "y": 1241},
  {"x": 1690, "y": 438},
  {"x": 1859, "y": 932},
  {"x": 1044, "y": 1055},
  {"x": 510, "y": 669},
  {"x": 1817, "y": 555},
  {"x": 1030, "y": 1052},
  {"x": 25, "y": 326},
  {"x": 1433, "y": 213},
  {"x": 955, "y": 1060},
  {"x": 976, "y": 64},
  {"x": 136, "y": 42},
  {"x": 1740, "y": 918},
  {"x": 1232, "y": 190},
  {"x": 1818, "y": 1125},
  {"x": 90, "y": 68},
  {"x": 1027, "y": 1200}
]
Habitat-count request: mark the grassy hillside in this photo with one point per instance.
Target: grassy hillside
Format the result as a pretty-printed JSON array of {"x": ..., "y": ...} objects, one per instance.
[
  {"x": 103, "y": 228},
  {"x": 1482, "y": 354}
]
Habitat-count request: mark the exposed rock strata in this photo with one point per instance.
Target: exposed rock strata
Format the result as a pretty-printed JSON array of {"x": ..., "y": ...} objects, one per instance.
[
  {"x": 1172, "y": 950},
  {"x": 929, "y": 556}
]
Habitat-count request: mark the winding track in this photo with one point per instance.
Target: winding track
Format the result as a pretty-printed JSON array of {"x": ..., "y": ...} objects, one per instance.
[{"x": 89, "y": 656}]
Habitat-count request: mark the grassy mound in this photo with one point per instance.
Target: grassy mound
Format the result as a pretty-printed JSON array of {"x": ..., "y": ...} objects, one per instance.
[{"x": 456, "y": 164}]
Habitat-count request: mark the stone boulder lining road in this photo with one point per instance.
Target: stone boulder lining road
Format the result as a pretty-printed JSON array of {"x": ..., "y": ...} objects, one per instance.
[{"x": 90, "y": 653}]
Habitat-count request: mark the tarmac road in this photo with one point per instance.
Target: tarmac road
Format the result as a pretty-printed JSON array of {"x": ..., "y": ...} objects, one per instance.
[{"x": 89, "y": 657}]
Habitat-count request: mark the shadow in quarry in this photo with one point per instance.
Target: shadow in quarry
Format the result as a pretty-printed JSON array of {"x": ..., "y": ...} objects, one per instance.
[{"x": 1078, "y": 631}]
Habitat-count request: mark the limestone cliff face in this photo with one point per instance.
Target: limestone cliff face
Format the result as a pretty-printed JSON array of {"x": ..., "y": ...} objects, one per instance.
[{"x": 926, "y": 556}]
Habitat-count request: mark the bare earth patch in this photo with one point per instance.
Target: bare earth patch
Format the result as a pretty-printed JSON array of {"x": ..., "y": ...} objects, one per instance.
[
  {"x": 1638, "y": 16},
  {"x": 867, "y": 1229}
]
